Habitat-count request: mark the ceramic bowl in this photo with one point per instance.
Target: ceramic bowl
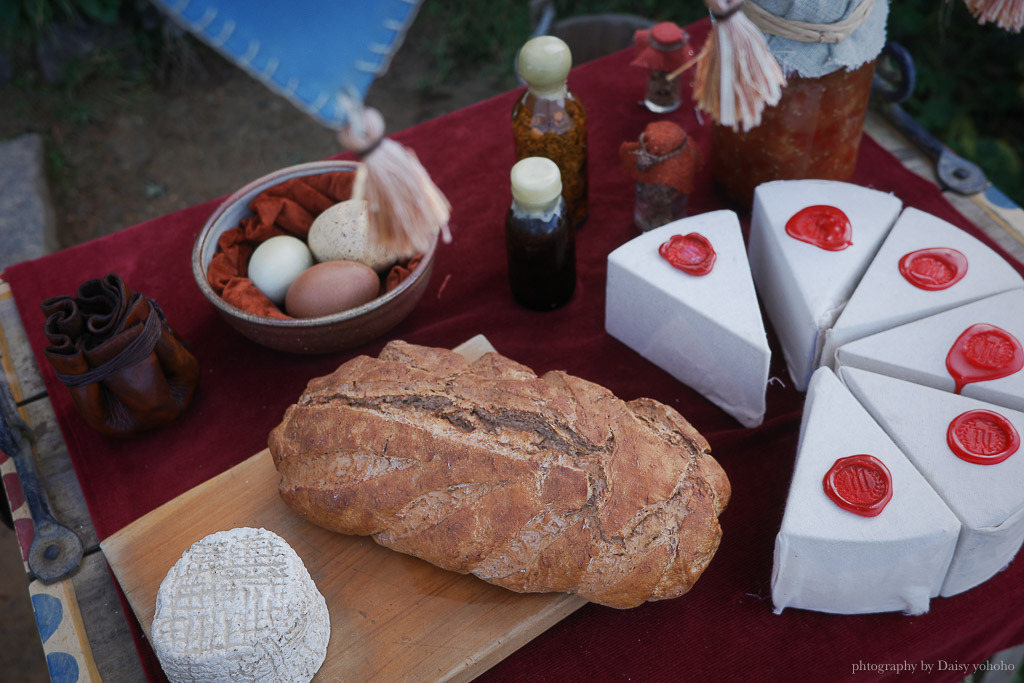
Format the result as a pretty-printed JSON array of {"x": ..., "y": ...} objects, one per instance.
[{"x": 326, "y": 334}]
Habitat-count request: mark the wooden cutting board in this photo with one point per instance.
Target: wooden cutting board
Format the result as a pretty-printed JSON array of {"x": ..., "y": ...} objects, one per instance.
[{"x": 393, "y": 617}]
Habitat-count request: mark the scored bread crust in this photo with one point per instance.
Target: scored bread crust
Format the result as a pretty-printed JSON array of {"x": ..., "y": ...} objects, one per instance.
[{"x": 532, "y": 483}]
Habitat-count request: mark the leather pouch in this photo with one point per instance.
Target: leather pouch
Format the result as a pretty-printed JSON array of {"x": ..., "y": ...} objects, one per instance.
[{"x": 128, "y": 371}]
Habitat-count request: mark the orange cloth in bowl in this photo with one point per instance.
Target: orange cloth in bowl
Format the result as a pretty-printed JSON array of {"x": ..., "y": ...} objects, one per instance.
[
  {"x": 240, "y": 292},
  {"x": 399, "y": 272}
]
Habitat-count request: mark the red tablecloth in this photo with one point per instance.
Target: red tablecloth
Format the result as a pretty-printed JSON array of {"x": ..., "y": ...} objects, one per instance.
[{"x": 724, "y": 629}]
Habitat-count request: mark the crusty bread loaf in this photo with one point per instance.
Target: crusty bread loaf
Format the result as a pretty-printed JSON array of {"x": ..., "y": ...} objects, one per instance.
[{"x": 532, "y": 483}]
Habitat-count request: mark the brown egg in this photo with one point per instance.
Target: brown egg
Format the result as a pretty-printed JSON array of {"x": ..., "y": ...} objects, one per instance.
[{"x": 331, "y": 287}]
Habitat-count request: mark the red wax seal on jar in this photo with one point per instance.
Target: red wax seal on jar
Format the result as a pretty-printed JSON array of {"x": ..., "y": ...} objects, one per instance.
[
  {"x": 826, "y": 227},
  {"x": 860, "y": 484},
  {"x": 691, "y": 253},
  {"x": 933, "y": 269},
  {"x": 981, "y": 353},
  {"x": 982, "y": 437}
]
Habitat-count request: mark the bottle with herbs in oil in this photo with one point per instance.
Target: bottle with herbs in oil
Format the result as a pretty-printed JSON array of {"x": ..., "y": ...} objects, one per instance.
[
  {"x": 539, "y": 239},
  {"x": 549, "y": 121}
]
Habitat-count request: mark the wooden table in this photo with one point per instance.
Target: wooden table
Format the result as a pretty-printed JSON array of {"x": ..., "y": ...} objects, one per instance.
[{"x": 93, "y": 631}]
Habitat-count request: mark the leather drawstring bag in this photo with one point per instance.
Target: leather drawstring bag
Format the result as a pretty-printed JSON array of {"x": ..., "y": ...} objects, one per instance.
[{"x": 128, "y": 371}]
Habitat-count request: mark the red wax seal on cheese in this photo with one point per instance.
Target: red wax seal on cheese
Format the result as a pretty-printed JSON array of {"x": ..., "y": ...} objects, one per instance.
[
  {"x": 983, "y": 352},
  {"x": 982, "y": 437},
  {"x": 691, "y": 253},
  {"x": 933, "y": 269},
  {"x": 823, "y": 226},
  {"x": 860, "y": 484}
]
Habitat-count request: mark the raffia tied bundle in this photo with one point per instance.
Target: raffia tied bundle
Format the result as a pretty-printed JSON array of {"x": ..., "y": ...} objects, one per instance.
[
  {"x": 405, "y": 209},
  {"x": 1006, "y": 14},
  {"x": 736, "y": 75}
]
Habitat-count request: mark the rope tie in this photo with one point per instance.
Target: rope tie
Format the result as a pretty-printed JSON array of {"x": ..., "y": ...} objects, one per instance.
[
  {"x": 646, "y": 160},
  {"x": 728, "y": 11},
  {"x": 133, "y": 354},
  {"x": 806, "y": 32}
]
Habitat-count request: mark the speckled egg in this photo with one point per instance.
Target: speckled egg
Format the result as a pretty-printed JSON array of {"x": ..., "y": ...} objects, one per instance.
[
  {"x": 341, "y": 233},
  {"x": 331, "y": 287},
  {"x": 276, "y": 263}
]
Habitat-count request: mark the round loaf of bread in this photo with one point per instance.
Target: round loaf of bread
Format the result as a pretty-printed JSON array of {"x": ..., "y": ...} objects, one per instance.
[{"x": 240, "y": 605}]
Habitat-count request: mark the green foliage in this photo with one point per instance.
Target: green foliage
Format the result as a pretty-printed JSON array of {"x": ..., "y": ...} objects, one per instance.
[
  {"x": 680, "y": 12},
  {"x": 468, "y": 38},
  {"x": 102, "y": 11},
  {"x": 24, "y": 21},
  {"x": 970, "y": 86}
]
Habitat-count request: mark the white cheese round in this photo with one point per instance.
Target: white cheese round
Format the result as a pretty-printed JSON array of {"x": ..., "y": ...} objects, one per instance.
[{"x": 240, "y": 605}]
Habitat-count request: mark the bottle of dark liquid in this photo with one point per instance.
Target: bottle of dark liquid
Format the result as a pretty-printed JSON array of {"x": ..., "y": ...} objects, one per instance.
[{"x": 539, "y": 237}]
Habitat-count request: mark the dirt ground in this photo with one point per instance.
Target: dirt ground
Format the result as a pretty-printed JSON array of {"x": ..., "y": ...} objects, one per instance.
[{"x": 148, "y": 151}]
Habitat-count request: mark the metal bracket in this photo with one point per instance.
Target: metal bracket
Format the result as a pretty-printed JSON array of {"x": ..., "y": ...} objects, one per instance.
[
  {"x": 56, "y": 551},
  {"x": 895, "y": 78}
]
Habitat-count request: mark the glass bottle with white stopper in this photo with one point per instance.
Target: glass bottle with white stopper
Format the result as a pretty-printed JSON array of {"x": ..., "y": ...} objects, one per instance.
[
  {"x": 549, "y": 121},
  {"x": 539, "y": 237}
]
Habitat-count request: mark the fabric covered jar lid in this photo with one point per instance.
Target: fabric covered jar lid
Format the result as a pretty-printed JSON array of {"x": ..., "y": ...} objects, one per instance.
[
  {"x": 813, "y": 59},
  {"x": 664, "y": 154},
  {"x": 665, "y": 47}
]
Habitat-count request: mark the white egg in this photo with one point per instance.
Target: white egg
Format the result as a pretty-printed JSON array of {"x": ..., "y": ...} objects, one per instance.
[
  {"x": 276, "y": 263},
  {"x": 341, "y": 233}
]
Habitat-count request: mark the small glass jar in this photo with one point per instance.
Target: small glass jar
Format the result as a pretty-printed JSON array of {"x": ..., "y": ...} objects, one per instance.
[
  {"x": 540, "y": 241},
  {"x": 813, "y": 132},
  {"x": 660, "y": 51},
  {"x": 663, "y": 94},
  {"x": 663, "y": 163},
  {"x": 657, "y": 204}
]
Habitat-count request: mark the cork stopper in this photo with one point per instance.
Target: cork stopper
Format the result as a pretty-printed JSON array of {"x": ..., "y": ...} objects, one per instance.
[
  {"x": 536, "y": 183},
  {"x": 544, "y": 64}
]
